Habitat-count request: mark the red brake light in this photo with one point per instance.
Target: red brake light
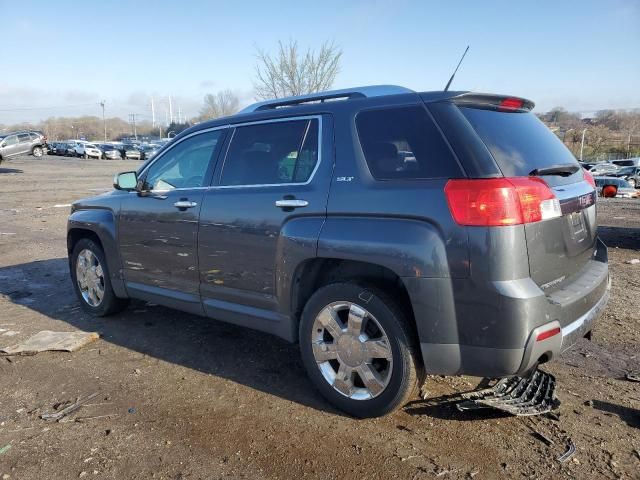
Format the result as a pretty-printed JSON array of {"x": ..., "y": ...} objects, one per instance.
[
  {"x": 511, "y": 104},
  {"x": 501, "y": 201},
  {"x": 548, "y": 334},
  {"x": 588, "y": 178}
]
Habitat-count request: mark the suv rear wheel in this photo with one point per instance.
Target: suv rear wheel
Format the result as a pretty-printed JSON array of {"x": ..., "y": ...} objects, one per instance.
[
  {"x": 37, "y": 151},
  {"x": 358, "y": 349},
  {"x": 91, "y": 281}
]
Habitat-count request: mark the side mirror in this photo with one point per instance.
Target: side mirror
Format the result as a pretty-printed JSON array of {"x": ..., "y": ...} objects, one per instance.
[{"x": 125, "y": 181}]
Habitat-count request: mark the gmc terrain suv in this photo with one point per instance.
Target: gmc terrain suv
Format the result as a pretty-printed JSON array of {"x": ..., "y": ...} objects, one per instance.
[
  {"x": 391, "y": 233},
  {"x": 20, "y": 143}
]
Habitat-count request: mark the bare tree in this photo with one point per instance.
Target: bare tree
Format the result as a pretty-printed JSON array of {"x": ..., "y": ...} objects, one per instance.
[
  {"x": 290, "y": 72},
  {"x": 219, "y": 104}
]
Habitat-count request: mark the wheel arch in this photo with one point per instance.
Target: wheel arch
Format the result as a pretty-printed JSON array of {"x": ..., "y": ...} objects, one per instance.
[
  {"x": 314, "y": 273},
  {"x": 98, "y": 225}
]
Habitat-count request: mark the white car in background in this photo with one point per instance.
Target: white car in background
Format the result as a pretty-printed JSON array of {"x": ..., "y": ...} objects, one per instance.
[
  {"x": 603, "y": 168},
  {"x": 91, "y": 151},
  {"x": 78, "y": 147}
]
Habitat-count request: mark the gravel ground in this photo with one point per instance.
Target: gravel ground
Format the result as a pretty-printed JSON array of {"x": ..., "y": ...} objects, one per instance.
[{"x": 181, "y": 397}]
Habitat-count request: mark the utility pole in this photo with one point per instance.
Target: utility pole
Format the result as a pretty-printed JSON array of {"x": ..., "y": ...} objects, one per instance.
[
  {"x": 153, "y": 115},
  {"x": 104, "y": 122},
  {"x": 582, "y": 143},
  {"x": 132, "y": 121},
  {"x": 179, "y": 115},
  {"x": 170, "y": 110}
]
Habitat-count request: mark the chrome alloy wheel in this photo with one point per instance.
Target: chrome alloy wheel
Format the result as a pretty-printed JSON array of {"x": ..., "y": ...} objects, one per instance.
[
  {"x": 90, "y": 277},
  {"x": 352, "y": 350}
]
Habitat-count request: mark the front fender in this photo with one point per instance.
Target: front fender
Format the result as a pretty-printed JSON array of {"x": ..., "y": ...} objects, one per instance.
[{"x": 101, "y": 222}]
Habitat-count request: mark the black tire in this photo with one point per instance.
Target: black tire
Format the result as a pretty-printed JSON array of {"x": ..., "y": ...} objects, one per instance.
[
  {"x": 406, "y": 370},
  {"x": 110, "y": 304}
]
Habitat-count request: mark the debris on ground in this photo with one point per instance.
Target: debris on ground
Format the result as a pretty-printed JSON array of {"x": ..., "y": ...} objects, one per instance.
[
  {"x": 5, "y": 449},
  {"x": 633, "y": 261},
  {"x": 544, "y": 439},
  {"x": 51, "y": 341},
  {"x": 521, "y": 396},
  {"x": 570, "y": 452},
  {"x": 67, "y": 410},
  {"x": 633, "y": 376}
]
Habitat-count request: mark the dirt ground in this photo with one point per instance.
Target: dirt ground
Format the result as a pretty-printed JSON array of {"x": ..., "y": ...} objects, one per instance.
[{"x": 182, "y": 397}]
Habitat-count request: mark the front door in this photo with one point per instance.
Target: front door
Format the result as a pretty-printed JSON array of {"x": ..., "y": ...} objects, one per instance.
[
  {"x": 158, "y": 227},
  {"x": 10, "y": 146},
  {"x": 272, "y": 183}
]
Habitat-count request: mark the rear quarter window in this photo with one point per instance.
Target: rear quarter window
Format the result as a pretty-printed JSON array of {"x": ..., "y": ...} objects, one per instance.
[{"x": 404, "y": 143}]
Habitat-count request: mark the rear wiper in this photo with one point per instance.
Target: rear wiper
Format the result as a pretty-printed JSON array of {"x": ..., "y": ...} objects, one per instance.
[{"x": 561, "y": 170}]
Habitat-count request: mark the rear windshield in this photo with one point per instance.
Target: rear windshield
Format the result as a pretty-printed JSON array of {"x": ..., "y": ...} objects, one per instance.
[{"x": 519, "y": 142}]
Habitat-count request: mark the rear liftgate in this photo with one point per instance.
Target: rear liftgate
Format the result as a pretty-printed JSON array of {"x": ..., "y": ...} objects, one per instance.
[{"x": 521, "y": 396}]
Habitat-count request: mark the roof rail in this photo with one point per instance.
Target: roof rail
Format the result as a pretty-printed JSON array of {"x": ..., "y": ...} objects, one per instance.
[{"x": 357, "y": 92}]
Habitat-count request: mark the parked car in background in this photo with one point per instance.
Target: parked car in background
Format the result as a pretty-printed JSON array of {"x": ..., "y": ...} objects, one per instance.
[
  {"x": 131, "y": 152},
  {"x": 586, "y": 165},
  {"x": 622, "y": 188},
  {"x": 148, "y": 151},
  {"x": 627, "y": 162},
  {"x": 603, "y": 168},
  {"x": 52, "y": 148},
  {"x": 630, "y": 174},
  {"x": 21, "y": 143},
  {"x": 69, "y": 149},
  {"x": 92, "y": 151},
  {"x": 78, "y": 147},
  {"x": 109, "y": 151},
  {"x": 473, "y": 252}
]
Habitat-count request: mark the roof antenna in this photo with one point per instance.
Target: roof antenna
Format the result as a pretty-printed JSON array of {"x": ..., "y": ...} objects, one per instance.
[{"x": 454, "y": 72}]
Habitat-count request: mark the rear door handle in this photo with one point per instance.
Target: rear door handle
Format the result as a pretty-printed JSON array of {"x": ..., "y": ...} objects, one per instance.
[
  {"x": 291, "y": 203},
  {"x": 182, "y": 204}
]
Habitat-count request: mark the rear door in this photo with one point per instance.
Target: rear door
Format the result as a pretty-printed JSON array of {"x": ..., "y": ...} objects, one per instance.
[
  {"x": 24, "y": 143},
  {"x": 521, "y": 145}
]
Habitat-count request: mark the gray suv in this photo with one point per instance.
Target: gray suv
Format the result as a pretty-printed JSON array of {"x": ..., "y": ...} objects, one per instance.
[
  {"x": 391, "y": 233},
  {"x": 20, "y": 143}
]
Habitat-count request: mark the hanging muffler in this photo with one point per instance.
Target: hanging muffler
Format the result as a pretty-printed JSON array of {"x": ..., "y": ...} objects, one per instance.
[{"x": 522, "y": 396}]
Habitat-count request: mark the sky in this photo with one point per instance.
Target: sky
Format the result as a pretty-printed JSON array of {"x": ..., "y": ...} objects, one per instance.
[{"x": 61, "y": 58}]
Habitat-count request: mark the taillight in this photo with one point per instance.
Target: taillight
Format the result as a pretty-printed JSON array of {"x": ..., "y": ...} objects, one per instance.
[
  {"x": 589, "y": 178},
  {"x": 501, "y": 201}
]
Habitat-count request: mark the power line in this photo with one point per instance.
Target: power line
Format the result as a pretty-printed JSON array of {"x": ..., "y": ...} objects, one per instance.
[{"x": 20, "y": 109}]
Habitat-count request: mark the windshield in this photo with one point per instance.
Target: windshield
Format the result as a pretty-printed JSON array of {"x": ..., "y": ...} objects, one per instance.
[{"x": 520, "y": 143}]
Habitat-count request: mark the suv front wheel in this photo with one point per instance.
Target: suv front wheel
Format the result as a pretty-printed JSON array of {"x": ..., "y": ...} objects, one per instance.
[
  {"x": 91, "y": 281},
  {"x": 358, "y": 349}
]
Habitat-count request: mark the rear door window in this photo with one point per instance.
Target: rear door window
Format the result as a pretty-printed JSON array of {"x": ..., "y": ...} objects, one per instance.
[
  {"x": 272, "y": 153},
  {"x": 24, "y": 138},
  {"x": 404, "y": 143},
  {"x": 519, "y": 142}
]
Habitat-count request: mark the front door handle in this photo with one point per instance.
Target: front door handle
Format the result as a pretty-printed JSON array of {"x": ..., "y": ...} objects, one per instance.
[
  {"x": 182, "y": 204},
  {"x": 291, "y": 203}
]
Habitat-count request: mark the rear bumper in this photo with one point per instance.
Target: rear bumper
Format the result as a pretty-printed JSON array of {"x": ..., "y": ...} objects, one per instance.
[{"x": 491, "y": 329}]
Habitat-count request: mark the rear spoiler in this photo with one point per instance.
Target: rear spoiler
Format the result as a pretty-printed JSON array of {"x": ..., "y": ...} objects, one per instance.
[{"x": 501, "y": 103}]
